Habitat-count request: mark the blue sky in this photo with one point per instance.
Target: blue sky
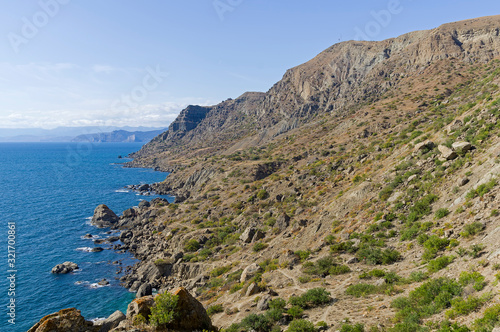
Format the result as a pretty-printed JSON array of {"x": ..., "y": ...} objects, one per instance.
[{"x": 124, "y": 62}]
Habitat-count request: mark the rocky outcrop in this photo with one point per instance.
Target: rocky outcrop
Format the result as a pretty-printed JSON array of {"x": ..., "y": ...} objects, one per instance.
[
  {"x": 191, "y": 315},
  {"x": 63, "y": 321},
  {"x": 64, "y": 268},
  {"x": 103, "y": 217},
  {"x": 111, "y": 322}
]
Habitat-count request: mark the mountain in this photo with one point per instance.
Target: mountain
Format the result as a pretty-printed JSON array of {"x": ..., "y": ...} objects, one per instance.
[
  {"x": 360, "y": 193},
  {"x": 59, "y": 134},
  {"x": 119, "y": 136}
]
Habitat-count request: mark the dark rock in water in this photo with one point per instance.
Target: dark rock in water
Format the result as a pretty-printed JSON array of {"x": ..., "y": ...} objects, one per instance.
[
  {"x": 144, "y": 204},
  {"x": 104, "y": 217},
  {"x": 144, "y": 290},
  {"x": 112, "y": 239},
  {"x": 88, "y": 236},
  {"x": 63, "y": 321},
  {"x": 143, "y": 187},
  {"x": 111, "y": 322},
  {"x": 99, "y": 241},
  {"x": 103, "y": 282},
  {"x": 64, "y": 268},
  {"x": 97, "y": 249}
]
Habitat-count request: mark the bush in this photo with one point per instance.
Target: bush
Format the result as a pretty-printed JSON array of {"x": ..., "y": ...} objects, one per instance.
[
  {"x": 359, "y": 290},
  {"x": 461, "y": 307},
  {"x": 262, "y": 194},
  {"x": 441, "y": 213},
  {"x": 259, "y": 323},
  {"x": 339, "y": 269},
  {"x": 439, "y": 263},
  {"x": 295, "y": 312},
  {"x": 472, "y": 229},
  {"x": 163, "y": 311},
  {"x": 301, "y": 325},
  {"x": 475, "y": 278},
  {"x": 214, "y": 309},
  {"x": 378, "y": 256},
  {"x": 311, "y": 299},
  {"x": 192, "y": 245},
  {"x": 217, "y": 272},
  {"x": 303, "y": 254},
  {"x": 489, "y": 320},
  {"x": 259, "y": 246}
]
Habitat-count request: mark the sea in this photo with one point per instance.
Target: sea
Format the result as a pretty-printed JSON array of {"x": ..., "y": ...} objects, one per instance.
[{"x": 48, "y": 192}]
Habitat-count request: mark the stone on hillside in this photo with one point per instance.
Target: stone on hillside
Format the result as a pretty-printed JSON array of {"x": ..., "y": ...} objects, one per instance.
[
  {"x": 191, "y": 315},
  {"x": 282, "y": 222},
  {"x": 424, "y": 146},
  {"x": 462, "y": 182},
  {"x": 64, "y": 268},
  {"x": 259, "y": 235},
  {"x": 130, "y": 213},
  {"x": 252, "y": 289},
  {"x": 454, "y": 125},
  {"x": 112, "y": 321},
  {"x": 63, "y": 321},
  {"x": 247, "y": 235},
  {"x": 249, "y": 272},
  {"x": 144, "y": 290},
  {"x": 263, "y": 303},
  {"x": 103, "y": 217},
  {"x": 140, "y": 306},
  {"x": 447, "y": 153},
  {"x": 461, "y": 147}
]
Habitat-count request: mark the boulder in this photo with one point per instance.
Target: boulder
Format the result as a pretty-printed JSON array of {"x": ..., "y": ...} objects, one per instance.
[
  {"x": 97, "y": 249},
  {"x": 129, "y": 213},
  {"x": 252, "y": 289},
  {"x": 140, "y": 306},
  {"x": 247, "y": 235},
  {"x": 461, "y": 147},
  {"x": 191, "y": 315},
  {"x": 103, "y": 217},
  {"x": 103, "y": 282},
  {"x": 144, "y": 204},
  {"x": 263, "y": 303},
  {"x": 63, "y": 321},
  {"x": 64, "y": 268},
  {"x": 259, "y": 235},
  {"x": 249, "y": 272},
  {"x": 447, "y": 153},
  {"x": 424, "y": 146},
  {"x": 112, "y": 321},
  {"x": 144, "y": 290},
  {"x": 282, "y": 222}
]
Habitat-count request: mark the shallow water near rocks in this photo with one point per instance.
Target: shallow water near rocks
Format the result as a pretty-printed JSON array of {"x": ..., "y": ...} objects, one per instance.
[{"x": 50, "y": 190}]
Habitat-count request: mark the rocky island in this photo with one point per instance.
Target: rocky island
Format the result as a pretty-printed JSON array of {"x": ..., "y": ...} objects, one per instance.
[{"x": 360, "y": 193}]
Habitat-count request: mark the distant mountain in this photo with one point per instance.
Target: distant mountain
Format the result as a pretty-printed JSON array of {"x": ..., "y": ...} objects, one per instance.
[
  {"x": 62, "y": 134},
  {"x": 119, "y": 136}
]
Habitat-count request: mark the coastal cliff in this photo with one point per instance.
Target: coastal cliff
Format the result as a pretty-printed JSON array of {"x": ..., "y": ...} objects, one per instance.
[{"x": 359, "y": 193}]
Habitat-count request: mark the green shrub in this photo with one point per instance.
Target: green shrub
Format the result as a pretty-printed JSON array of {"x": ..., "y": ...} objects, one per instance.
[
  {"x": 362, "y": 289},
  {"x": 301, "y": 325},
  {"x": 163, "y": 311},
  {"x": 339, "y": 269},
  {"x": 259, "y": 323},
  {"x": 214, "y": 309},
  {"x": 475, "y": 250},
  {"x": 303, "y": 254},
  {"x": 220, "y": 271},
  {"x": 475, "y": 278},
  {"x": 439, "y": 263},
  {"x": 277, "y": 303},
  {"x": 430, "y": 298},
  {"x": 472, "y": 229},
  {"x": 295, "y": 311},
  {"x": 192, "y": 245},
  {"x": 418, "y": 276},
  {"x": 490, "y": 319},
  {"x": 441, "y": 213},
  {"x": 262, "y": 194},
  {"x": 259, "y": 246},
  {"x": 447, "y": 326},
  {"x": 312, "y": 298},
  {"x": 352, "y": 328},
  {"x": 461, "y": 307},
  {"x": 481, "y": 190},
  {"x": 375, "y": 256}
]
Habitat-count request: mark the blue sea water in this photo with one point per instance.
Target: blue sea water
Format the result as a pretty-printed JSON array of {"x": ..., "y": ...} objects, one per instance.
[{"x": 49, "y": 190}]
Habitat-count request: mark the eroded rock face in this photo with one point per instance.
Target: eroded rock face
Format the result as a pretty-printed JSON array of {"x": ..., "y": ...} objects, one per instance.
[
  {"x": 103, "y": 217},
  {"x": 64, "y": 321},
  {"x": 140, "y": 306},
  {"x": 191, "y": 315}
]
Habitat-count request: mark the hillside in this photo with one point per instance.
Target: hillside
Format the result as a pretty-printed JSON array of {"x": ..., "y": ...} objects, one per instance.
[
  {"x": 118, "y": 136},
  {"x": 358, "y": 194}
]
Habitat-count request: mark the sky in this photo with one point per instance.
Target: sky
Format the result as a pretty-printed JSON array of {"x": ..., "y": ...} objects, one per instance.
[{"x": 138, "y": 63}]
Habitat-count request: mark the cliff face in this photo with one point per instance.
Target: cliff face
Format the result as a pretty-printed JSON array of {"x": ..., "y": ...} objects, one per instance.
[{"x": 337, "y": 81}]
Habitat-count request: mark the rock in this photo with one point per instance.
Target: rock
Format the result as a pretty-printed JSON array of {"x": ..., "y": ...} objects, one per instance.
[
  {"x": 88, "y": 236},
  {"x": 103, "y": 217},
  {"x": 249, "y": 272},
  {"x": 411, "y": 178},
  {"x": 112, "y": 239},
  {"x": 135, "y": 286},
  {"x": 423, "y": 146},
  {"x": 140, "y": 306},
  {"x": 462, "y": 182},
  {"x": 143, "y": 187},
  {"x": 64, "y": 268},
  {"x": 112, "y": 321},
  {"x": 144, "y": 290},
  {"x": 247, "y": 235},
  {"x": 191, "y": 315},
  {"x": 103, "y": 282},
  {"x": 461, "y": 147},
  {"x": 97, "y": 249},
  {"x": 259, "y": 235},
  {"x": 379, "y": 282},
  {"x": 144, "y": 204},
  {"x": 63, "y": 321},
  {"x": 282, "y": 222},
  {"x": 352, "y": 260},
  {"x": 130, "y": 213},
  {"x": 263, "y": 303},
  {"x": 252, "y": 289},
  {"x": 447, "y": 153},
  {"x": 454, "y": 125},
  {"x": 448, "y": 233}
]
